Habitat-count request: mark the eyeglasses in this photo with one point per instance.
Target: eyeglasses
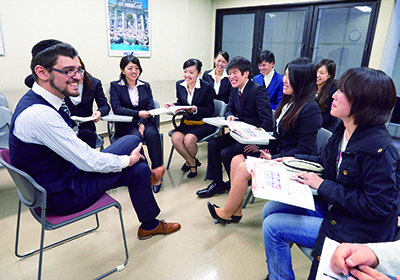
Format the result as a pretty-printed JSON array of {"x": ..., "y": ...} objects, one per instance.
[{"x": 69, "y": 73}]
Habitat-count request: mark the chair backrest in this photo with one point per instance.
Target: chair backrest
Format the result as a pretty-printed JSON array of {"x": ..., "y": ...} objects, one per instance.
[
  {"x": 3, "y": 101},
  {"x": 30, "y": 193},
  {"x": 322, "y": 139},
  {"x": 5, "y": 122},
  {"x": 219, "y": 108}
]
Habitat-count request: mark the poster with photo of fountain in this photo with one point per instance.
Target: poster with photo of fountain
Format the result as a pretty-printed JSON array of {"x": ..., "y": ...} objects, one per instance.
[{"x": 128, "y": 27}]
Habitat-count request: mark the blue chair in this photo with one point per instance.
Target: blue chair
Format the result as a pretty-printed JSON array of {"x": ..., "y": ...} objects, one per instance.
[
  {"x": 3, "y": 101},
  {"x": 34, "y": 197},
  {"x": 5, "y": 122}
]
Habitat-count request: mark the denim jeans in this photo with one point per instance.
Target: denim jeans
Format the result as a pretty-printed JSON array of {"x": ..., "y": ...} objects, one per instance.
[{"x": 283, "y": 223}]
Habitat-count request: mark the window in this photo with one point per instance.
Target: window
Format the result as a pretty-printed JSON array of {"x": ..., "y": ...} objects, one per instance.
[{"x": 341, "y": 31}]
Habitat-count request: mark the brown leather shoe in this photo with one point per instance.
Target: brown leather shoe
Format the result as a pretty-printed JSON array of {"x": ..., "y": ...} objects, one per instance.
[
  {"x": 156, "y": 174},
  {"x": 162, "y": 228}
]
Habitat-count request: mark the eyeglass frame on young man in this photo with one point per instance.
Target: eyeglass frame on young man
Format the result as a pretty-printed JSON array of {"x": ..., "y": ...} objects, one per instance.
[{"x": 81, "y": 71}]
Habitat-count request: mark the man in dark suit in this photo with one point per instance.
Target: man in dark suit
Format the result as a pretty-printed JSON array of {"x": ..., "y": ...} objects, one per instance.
[
  {"x": 269, "y": 78},
  {"x": 43, "y": 144},
  {"x": 248, "y": 102}
]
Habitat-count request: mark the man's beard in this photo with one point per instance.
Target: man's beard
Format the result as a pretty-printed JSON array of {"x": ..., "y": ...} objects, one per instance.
[{"x": 65, "y": 91}]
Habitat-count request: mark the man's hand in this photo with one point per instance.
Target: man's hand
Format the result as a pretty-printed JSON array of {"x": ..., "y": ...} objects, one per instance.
[
  {"x": 251, "y": 149},
  {"x": 348, "y": 256},
  {"x": 135, "y": 156},
  {"x": 265, "y": 154},
  {"x": 231, "y": 118}
]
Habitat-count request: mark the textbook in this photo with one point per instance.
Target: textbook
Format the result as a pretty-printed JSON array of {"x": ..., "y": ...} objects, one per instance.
[
  {"x": 82, "y": 119},
  {"x": 271, "y": 180},
  {"x": 171, "y": 110}
]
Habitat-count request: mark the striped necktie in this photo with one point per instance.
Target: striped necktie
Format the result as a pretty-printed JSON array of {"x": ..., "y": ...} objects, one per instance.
[{"x": 64, "y": 108}]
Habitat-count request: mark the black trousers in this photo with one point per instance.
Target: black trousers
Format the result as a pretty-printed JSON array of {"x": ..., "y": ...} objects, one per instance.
[
  {"x": 87, "y": 187},
  {"x": 221, "y": 149}
]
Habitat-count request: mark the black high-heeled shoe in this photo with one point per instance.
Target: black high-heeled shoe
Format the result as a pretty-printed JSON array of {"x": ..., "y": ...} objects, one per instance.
[
  {"x": 192, "y": 174},
  {"x": 234, "y": 218},
  {"x": 214, "y": 214},
  {"x": 186, "y": 168}
]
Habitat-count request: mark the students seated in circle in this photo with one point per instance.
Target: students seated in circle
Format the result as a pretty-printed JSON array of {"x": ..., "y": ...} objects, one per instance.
[
  {"x": 218, "y": 77},
  {"x": 326, "y": 70},
  {"x": 192, "y": 91},
  {"x": 360, "y": 179},
  {"x": 133, "y": 97},
  {"x": 298, "y": 120}
]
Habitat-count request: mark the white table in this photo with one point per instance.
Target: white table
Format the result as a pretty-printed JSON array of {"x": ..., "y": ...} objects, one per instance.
[{"x": 217, "y": 122}]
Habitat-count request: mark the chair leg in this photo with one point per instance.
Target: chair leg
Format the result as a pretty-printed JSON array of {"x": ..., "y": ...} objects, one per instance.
[
  {"x": 248, "y": 196},
  {"x": 162, "y": 148},
  {"x": 122, "y": 266},
  {"x": 170, "y": 157}
]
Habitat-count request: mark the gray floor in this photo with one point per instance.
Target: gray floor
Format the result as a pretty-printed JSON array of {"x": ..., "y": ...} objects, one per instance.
[{"x": 200, "y": 250}]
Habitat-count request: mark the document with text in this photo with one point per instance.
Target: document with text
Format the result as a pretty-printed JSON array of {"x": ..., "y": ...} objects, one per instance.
[{"x": 270, "y": 180}]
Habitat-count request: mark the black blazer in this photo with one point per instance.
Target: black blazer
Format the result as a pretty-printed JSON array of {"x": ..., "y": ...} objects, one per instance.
[
  {"x": 122, "y": 105},
  {"x": 85, "y": 108},
  {"x": 203, "y": 99},
  {"x": 224, "y": 88},
  {"x": 253, "y": 107},
  {"x": 301, "y": 137},
  {"x": 328, "y": 121}
]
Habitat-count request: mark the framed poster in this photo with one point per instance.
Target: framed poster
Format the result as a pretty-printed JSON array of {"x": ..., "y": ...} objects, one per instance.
[{"x": 128, "y": 27}]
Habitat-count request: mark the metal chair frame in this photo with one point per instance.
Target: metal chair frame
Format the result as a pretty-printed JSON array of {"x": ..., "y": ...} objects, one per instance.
[{"x": 34, "y": 196}]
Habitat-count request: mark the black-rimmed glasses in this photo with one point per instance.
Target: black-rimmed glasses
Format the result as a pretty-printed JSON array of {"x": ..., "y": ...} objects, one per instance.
[{"x": 70, "y": 73}]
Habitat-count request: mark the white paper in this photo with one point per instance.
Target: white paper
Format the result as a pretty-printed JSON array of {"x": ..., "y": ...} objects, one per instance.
[
  {"x": 270, "y": 180},
  {"x": 82, "y": 119},
  {"x": 170, "y": 110},
  {"x": 324, "y": 269}
]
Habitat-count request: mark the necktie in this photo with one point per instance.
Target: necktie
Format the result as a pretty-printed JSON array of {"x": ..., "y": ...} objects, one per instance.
[
  {"x": 64, "y": 108},
  {"x": 240, "y": 94}
]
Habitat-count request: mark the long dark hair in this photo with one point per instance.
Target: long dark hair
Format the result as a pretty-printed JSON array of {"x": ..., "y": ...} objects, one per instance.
[
  {"x": 86, "y": 74},
  {"x": 324, "y": 94},
  {"x": 303, "y": 79}
]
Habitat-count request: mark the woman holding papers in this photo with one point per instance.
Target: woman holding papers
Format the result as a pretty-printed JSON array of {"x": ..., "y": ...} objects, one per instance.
[
  {"x": 132, "y": 97},
  {"x": 298, "y": 119},
  {"x": 360, "y": 181},
  {"x": 326, "y": 70},
  {"x": 218, "y": 77},
  {"x": 196, "y": 92}
]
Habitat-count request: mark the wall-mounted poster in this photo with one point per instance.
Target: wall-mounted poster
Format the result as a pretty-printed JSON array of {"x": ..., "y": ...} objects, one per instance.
[
  {"x": 128, "y": 27},
  {"x": 2, "y": 52}
]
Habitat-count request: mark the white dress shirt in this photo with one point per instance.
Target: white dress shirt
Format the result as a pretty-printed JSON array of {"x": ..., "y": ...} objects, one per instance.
[
  {"x": 190, "y": 96},
  {"x": 133, "y": 92},
  {"x": 41, "y": 124},
  {"x": 217, "y": 85}
]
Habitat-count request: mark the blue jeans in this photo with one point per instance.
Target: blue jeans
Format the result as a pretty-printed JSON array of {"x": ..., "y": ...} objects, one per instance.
[{"x": 283, "y": 223}]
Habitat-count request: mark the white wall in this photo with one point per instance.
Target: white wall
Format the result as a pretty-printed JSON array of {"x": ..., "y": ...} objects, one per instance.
[{"x": 180, "y": 29}]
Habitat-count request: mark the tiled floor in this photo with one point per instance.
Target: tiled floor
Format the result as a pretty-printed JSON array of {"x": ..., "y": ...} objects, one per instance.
[{"x": 200, "y": 250}]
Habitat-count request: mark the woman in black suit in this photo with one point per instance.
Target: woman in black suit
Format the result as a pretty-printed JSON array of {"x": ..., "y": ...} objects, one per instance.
[
  {"x": 326, "y": 70},
  {"x": 298, "y": 119},
  {"x": 218, "y": 77},
  {"x": 132, "y": 97},
  {"x": 90, "y": 90},
  {"x": 192, "y": 91}
]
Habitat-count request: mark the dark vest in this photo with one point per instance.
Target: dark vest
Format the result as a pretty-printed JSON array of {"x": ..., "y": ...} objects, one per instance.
[{"x": 47, "y": 168}]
